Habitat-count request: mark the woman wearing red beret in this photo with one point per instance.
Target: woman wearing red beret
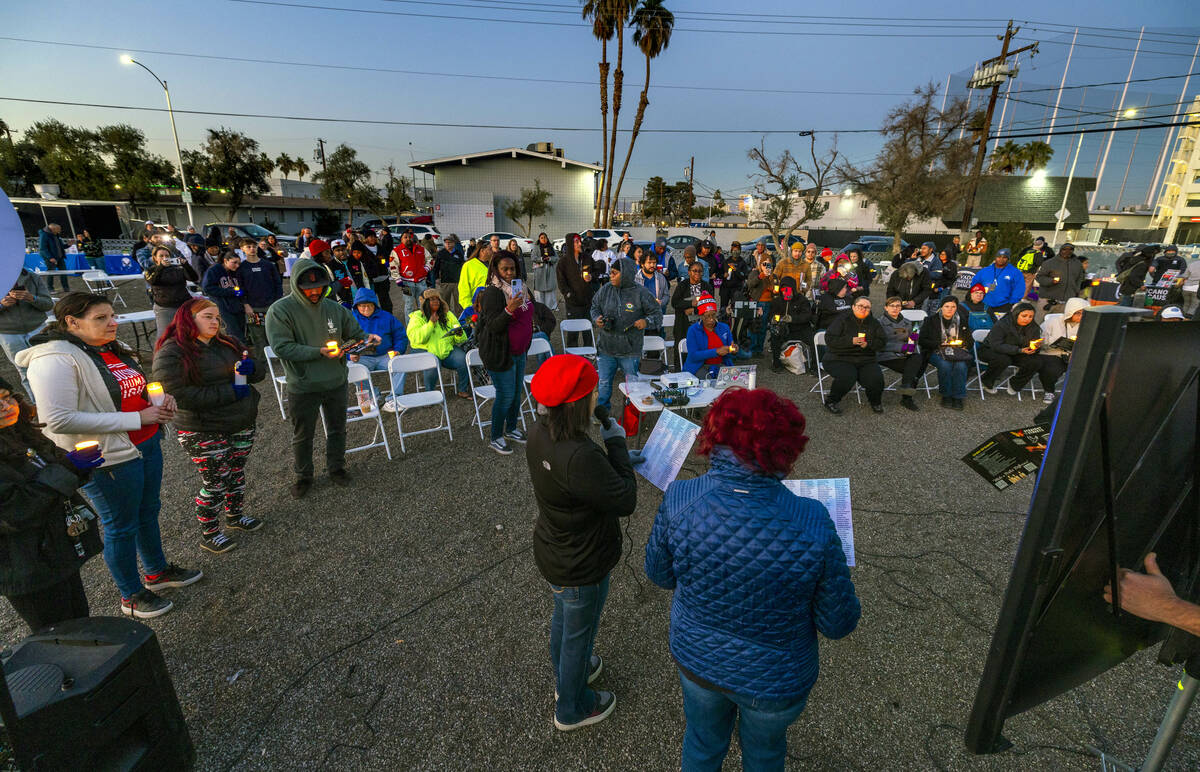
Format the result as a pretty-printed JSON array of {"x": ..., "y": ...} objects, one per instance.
[{"x": 581, "y": 492}]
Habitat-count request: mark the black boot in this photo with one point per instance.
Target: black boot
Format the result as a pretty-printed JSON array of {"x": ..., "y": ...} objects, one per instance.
[
  {"x": 777, "y": 367},
  {"x": 907, "y": 402}
]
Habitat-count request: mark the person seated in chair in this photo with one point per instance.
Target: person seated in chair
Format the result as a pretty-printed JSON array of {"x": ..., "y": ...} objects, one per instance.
[
  {"x": 853, "y": 341},
  {"x": 1060, "y": 332},
  {"x": 900, "y": 354},
  {"x": 790, "y": 318},
  {"x": 392, "y": 337},
  {"x": 709, "y": 342},
  {"x": 1016, "y": 340},
  {"x": 433, "y": 328},
  {"x": 945, "y": 341}
]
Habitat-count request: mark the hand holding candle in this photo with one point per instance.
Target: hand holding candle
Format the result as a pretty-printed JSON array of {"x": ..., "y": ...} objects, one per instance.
[
  {"x": 86, "y": 455},
  {"x": 331, "y": 350},
  {"x": 154, "y": 391}
]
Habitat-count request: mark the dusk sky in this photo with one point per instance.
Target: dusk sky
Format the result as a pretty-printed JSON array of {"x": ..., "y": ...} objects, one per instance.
[{"x": 747, "y": 70}]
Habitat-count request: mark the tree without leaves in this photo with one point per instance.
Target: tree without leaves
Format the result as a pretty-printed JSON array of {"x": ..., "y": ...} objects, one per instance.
[
  {"x": 922, "y": 169},
  {"x": 791, "y": 190},
  {"x": 530, "y": 204},
  {"x": 599, "y": 13},
  {"x": 653, "y": 25},
  {"x": 398, "y": 199},
  {"x": 233, "y": 163}
]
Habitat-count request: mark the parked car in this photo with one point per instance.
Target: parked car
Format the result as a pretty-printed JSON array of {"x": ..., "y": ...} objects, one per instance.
[
  {"x": 250, "y": 230},
  {"x": 420, "y": 231},
  {"x": 874, "y": 248},
  {"x": 525, "y": 244},
  {"x": 613, "y": 237},
  {"x": 680, "y": 242},
  {"x": 768, "y": 241}
]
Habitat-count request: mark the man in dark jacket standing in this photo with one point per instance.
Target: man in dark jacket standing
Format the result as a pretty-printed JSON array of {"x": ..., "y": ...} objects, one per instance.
[
  {"x": 53, "y": 254},
  {"x": 308, "y": 332},
  {"x": 621, "y": 311},
  {"x": 447, "y": 266},
  {"x": 22, "y": 311},
  {"x": 1060, "y": 278},
  {"x": 262, "y": 285}
]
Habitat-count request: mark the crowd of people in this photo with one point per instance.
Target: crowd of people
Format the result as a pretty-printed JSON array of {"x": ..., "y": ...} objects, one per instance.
[{"x": 102, "y": 412}]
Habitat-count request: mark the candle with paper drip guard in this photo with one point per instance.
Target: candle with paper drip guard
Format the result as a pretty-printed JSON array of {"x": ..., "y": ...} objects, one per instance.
[
  {"x": 86, "y": 445},
  {"x": 332, "y": 346},
  {"x": 154, "y": 390}
]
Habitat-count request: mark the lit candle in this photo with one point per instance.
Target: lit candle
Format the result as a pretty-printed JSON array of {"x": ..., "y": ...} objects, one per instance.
[
  {"x": 332, "y": 346},
  {"x": 1035, "y": 342},
  {"x": 86, "y": 445},
  {"x": 155, "y": 390},
  {"x": 733, "y": 347},
  {"x": 391, "y": 355}
]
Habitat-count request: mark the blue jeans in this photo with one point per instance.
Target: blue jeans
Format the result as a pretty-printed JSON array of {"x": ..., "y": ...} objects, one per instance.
[
  {"x": 607, "y": 367},
  {"x": 456, "y": 360},
  {"x": 506, "y": 407},
  {"x": 952, "y": 377},
  {"x": 126, "y": 497},
  {"x": 762, "y": 728},
  {"x": 572, "y": 633},
  {"x": 11, "y": 343},
  {"x": 378, "y": 363}
]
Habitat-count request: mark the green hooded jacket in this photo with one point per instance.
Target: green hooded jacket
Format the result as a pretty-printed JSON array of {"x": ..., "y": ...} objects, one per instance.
[{"x": 298, "y": 329}]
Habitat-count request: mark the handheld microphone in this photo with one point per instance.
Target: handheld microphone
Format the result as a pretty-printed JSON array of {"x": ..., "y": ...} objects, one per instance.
[{"x": 601, "y": 413}]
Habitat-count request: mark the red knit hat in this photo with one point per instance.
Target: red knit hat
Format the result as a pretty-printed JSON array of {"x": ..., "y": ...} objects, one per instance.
[
  {"x": 317, "y": 246},
  {"x": 977, "y": 286},
  {"x": 705, "y": 303},
  {"x": 826, "y": 252},
  {"x": 563, "y": 378}
]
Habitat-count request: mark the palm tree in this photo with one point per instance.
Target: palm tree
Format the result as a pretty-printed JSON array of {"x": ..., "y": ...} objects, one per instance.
[
  {"x": 1007, "y": 158},
  {"x": 299, "y": 167},
  {"x": 620, "y": 11},
  {"x": 652, "y": 34},
  {"x": 285, "y": 164},
  {"x": 1037, "y": 155},
  {"x": 6, "y": 131},
  {"x": 597, "y": 12}
]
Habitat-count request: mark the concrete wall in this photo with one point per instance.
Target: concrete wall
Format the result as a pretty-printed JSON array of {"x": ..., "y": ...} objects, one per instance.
[{"x": 572, "y": 188}]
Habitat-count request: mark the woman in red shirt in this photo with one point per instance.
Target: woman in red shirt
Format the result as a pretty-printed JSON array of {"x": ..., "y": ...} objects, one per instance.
[
  {"x": 709, "y": 342},
  {"x": 89, "y": 387}
]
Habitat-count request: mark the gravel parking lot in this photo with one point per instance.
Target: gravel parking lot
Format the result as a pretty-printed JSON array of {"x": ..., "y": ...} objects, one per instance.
[{"x": 401, "y": 623}]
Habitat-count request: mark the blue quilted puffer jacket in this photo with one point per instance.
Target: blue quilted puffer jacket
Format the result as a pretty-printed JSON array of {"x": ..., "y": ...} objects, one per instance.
[{"x": 757, "y": 573}]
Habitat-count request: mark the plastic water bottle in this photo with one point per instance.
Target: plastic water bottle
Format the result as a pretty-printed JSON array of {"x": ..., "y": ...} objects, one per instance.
[{"x": 238, "y": 378}]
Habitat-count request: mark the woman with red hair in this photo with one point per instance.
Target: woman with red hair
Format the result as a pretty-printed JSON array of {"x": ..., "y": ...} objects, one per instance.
[
  {"x": 208, "y": 373},
  {"x": 757, "y": 572}
]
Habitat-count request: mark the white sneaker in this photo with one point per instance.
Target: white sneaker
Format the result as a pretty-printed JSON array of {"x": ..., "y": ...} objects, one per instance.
[
  {"x": 1048, "y": 397},
  {"x": 389, "y": 406},
  {"x": 500, "y": 446},
  {"x": 1010, "y": 391}
]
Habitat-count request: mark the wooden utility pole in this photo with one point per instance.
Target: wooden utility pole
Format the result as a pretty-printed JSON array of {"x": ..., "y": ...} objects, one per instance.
[
  {"x": 981, "y": 150},
  {"x": 691, "y": 186},
  {"x": 319, "y": 153}
]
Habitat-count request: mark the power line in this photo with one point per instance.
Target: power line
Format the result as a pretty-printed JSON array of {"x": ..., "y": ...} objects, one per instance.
[
  {"x": 389, "y": 70},
  {"x": 1078, "y": 45},
  {"x": 1109, "y": 83},
  {"x": 580, "y": 25},
  {"x": 1068, "y": 132},
  {"x": 432, "y": 124}
]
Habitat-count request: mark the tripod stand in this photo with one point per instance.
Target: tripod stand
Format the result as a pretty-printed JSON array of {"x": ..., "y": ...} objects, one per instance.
[{"x": 1177, "y": 710}]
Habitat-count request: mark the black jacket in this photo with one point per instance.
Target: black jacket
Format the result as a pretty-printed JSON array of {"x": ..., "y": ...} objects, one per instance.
[
  {"x": 910, "y": 284},
  {"x": 576, "y": 292},
  {"x": 733, "y": 280},
  {"x": 830, "y": 307},
  {"x": 1135, "y": 278},
  {"x": 168, "y": 284},
  {"x": 207, "y": 404},
  {"x": 35, "y": 551},
  {"x": 681, "y": 300},
  {"x": 839, "y": 339},
  {"x": 447, "y": 266},
  {"x": 930, "y": 338},
  {"x": 1008, "y": 338},
  {"x": 491, "y": 331},
  {"x": 581, "y": 492},
  {"x": 798, "y": 308}
]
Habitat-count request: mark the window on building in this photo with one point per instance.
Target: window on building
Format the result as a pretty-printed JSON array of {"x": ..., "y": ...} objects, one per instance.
[
  {"x": 863, "y": 204},
  {"x": 1192, "y": 201}
]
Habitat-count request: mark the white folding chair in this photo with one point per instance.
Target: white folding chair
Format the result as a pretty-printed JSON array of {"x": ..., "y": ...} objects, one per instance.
[
  {"x": 278, "y": 381},
  {"x": 979, "y": 337},
  {"x": 98, "y": 282},
  {"x": 819, "y": 342},
  {"x": 578, "y": 325},
  {"x": 682, "y": 353},
  {"x": 537, "y": 347},
  {"x": 914, "y": 315},
  {"x": 668, "y": 327},
  {"x": 652, "y": 344},
  {"x": 418, "y": 363},
  {"x": 357, "y": 375},
  {"x": 481, "y": 395},
  {"x": 1051, "y": 318}
]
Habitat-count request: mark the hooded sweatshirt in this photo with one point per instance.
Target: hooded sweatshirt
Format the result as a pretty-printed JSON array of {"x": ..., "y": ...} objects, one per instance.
[
  {"x": 298, "y": 329},
  {"x": 627, "y": 303},
  {"x": 26, "y": 315},
  {"x": 911, "y": 282},
  {"x": 261, "y": 283},
  {"x": 392, "y": 336},
  {"x": 1055, "y": 329}
]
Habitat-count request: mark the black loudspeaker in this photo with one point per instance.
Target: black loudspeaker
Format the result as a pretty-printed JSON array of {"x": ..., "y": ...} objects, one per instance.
[{"x": 93, "y": 694}]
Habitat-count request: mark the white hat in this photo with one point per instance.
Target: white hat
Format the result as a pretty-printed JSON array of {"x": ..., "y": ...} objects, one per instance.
[
  {"x": 1172, "y": 312},
  {"x": 337, "y": 243}
]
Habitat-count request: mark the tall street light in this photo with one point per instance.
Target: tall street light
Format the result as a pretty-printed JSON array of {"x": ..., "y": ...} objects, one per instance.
[{"x": 185, "y": 194}]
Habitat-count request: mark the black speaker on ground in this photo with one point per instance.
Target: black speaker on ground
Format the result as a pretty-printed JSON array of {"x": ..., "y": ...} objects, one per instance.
[{"x": 93, "y": 694}]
